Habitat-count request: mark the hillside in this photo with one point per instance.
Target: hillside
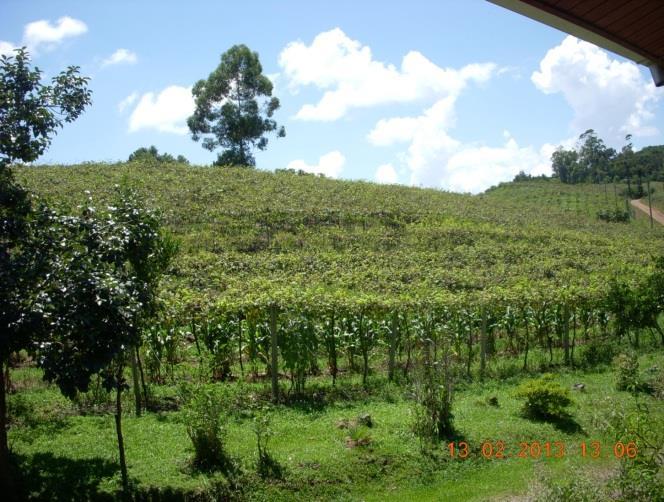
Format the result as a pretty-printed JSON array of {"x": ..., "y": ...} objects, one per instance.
[
  {"x": 250, "y": 234},
  {"x": 370, "y": 284}
]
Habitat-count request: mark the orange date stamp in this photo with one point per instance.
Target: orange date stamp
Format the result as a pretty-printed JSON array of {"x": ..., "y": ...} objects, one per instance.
[{"x": 491, "y": 450}]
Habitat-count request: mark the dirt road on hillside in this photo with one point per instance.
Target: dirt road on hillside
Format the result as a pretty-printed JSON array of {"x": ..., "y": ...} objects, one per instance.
[{"x": 657, "y": 215}]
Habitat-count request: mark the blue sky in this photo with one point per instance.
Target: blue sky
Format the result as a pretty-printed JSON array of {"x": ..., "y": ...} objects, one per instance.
[{"x": 450, "y": 94}]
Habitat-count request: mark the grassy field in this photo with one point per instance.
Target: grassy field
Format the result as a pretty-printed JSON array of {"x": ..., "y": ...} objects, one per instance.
[
  {"x": 497, "y": 283},
  {"x": 67, "y": 449}
]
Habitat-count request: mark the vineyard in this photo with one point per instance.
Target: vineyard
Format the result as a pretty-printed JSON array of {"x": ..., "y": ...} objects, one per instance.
[{"x": 298, "y": 283}]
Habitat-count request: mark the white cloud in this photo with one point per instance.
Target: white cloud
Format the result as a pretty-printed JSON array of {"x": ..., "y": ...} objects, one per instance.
[
  {"x": 331, "y": 164},
  {"x": 164, "y": 112},
  {"x": 434, "y": 158},
  {"x": 429, "y": 142},
  {"x": 6, "y": 48},
  {"x": 127, "y": 102},
  {"x": 43, "y": 33},
  {"x": 439, "y": 117},
  {"x": 120, "y": 56},
  {"x": 353, "y": 79},
  {"x": 610, "y": 96},
  {"x": 607, "y": 95},
  {"x": 386, "y": 174},
  {"x": 476, "y": 168}
]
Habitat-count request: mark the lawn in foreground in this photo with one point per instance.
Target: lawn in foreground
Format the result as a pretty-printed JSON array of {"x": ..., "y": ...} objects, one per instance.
[{"x": 65, "y": 455}]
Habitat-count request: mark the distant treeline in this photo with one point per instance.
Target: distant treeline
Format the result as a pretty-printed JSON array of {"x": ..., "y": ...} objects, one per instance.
[
  {"x": 152, "y": 154},
  {"x": 591, "y": 161}
]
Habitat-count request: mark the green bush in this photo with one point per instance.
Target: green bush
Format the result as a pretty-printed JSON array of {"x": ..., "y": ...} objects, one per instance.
[
  {"x": 597, "y": 353},
  {"x": 613, "y": 215},
  {"x": 576, "y": 489},
  {"x": 267, "y": 466},
  {"x": 638, "y": 481},
  {"x": 205, "y": 416},
  {"x": 627, "y": 372},
  {"x": 433, "y": 418},
  {"x": 545, "y": 398}
]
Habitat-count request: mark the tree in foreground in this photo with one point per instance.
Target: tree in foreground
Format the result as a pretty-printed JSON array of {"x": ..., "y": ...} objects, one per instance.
[
  {"x": 101, "y": 291},
  {"x": 234, "y": 108},
  {"x": 30, "y": 115}
]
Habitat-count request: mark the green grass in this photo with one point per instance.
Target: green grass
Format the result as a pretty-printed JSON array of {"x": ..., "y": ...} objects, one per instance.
[{"x": 76, "y": 455}]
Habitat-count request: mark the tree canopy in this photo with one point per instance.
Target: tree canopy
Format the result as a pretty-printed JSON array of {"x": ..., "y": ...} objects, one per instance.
[
  {"x": 31, "y": 112},
  {"x": 592, "y": 161},
  {"x": 234, "y": 108},
  {"x": 152, "y": 154}
]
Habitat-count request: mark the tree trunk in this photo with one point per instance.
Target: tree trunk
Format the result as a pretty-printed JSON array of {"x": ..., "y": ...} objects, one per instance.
[
  {"x": 118, "y": 430},
  {"x": 332, "y": 352},
  {"x": 392, "y": 348},
  {"x": 274, "y": 362},
  {"x": 7, "y": 484},
  {"x": 525, "y": 356},
  {"x": 140, "y": 372},
  {"x": 239, "y": 345},
  {"x": 573, "y": 338},
  {"x": 364, "y": 348},
  {"x": 483, "y": 346},
  {"x": 470, "y": 352},
  {"x": 566, "y": 335},
  {"x": 134, "y": 377},
  {"x": 650, "y": 204}
]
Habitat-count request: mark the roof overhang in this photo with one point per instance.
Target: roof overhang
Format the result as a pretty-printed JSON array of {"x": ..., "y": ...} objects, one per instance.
[{"x": 633, "y": 29}]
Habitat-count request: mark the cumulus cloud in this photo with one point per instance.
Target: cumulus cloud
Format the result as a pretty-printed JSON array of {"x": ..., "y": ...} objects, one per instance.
[
  {"x": 6, "y": 48},
  {"x": 476, "y": 168},
  {"x": 331, "y": 164},
  {"x": 429, "y": 142},
  {"x": 352, "y": 78},
  {"x": 607, "y": 95},
  {"x": 386, "y": 174},
  {"x": 434, "y": 158},
  {"x": 164, "y": 112},
  {"x": 121, "y": 56},
  {"x": 42, "y": 33},
  {"x": 127, "y": 102}
]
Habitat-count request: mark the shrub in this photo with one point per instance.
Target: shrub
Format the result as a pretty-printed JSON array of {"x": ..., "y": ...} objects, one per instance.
[
  {"x": 627, "y": 372},
  {"x": 433, "y": 418},
  {"x": 613, "y": 215},
  {"x": 576, "y": 489},
  {"x": 358, "y": 435},
  {"x": 545, "y": 398},
  {"x": 205, "y": 417},
  {"x": 656, "y": 383},
  {"x": 267, "y": 466},
  {"x": 597, "y": 353},
  {"x": 637, "y": 481}
]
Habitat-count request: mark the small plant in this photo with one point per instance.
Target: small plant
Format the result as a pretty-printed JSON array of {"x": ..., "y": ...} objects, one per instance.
[
  {"x": 433, "y": 418},
  {"x": 613, "y": 215},
  {"x": 656, "y": 383},
  {"x": 267, "y": 466},
  {"x": 96, "y": 400},
  {"x": 596, "y": 354},
  {"x": 576, "y": 489},
  {"x": 358, "y": 435},
  {"x": 545, "y": 398},
  {"x": 205, "y": 417},
  {"x": 627, "y": 372}
]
